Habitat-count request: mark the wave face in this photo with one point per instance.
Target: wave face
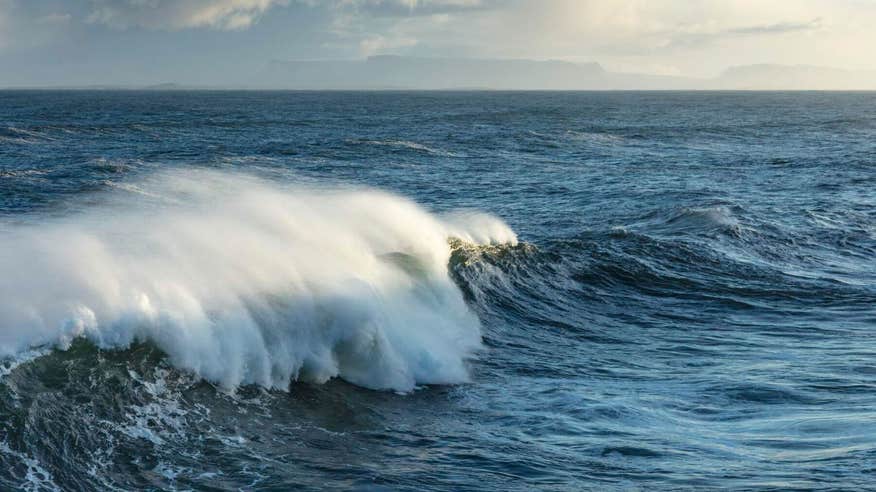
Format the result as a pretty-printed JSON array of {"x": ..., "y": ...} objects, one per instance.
[{"x": 243, "y": 282}]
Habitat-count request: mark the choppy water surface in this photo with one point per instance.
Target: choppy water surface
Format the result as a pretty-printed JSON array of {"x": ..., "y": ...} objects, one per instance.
[{"x": 448, "y": 291}]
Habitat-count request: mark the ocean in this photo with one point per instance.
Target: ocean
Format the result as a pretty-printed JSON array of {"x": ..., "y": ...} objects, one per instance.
[{"x": 437, "y": 290}]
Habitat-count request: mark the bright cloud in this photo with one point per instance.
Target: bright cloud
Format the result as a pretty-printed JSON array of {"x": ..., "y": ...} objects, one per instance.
[
  {"x": 697, "y": 37},
  {"x": 180, "y": 14}
]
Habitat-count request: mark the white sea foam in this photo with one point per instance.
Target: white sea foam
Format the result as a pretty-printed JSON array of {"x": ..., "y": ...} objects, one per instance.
[
  {"x": 16, "y": 173},
  {"x": 406, "y": 144},
  {"x": 37, "y": 478},
  {"x": 10, "y": 363},
  {"x": 240, "y": 281}
]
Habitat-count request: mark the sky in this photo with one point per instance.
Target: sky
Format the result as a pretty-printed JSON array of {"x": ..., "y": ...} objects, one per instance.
[{"x": 216, "y": 42}]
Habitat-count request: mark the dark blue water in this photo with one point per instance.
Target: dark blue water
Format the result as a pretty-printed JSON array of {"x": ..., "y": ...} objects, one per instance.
[{"x": 692, "y": 303}]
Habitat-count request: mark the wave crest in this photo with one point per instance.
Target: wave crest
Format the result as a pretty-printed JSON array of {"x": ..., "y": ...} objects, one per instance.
[{"x": 244, "y": 282}]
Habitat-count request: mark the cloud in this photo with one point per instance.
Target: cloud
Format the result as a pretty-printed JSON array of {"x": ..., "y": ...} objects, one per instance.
[
  {"x": 779, "y": 28},
  {"x": 180, "y": 14},
  {"x": 411, "y": 7},
  {"x": 695, "y": 37},
  {"x": 54, "y": 18},
  {"x": 379, "y": 44},
  {"x": 698, "y": 37},
  {"x": 397, "y": 26},
  {"x": 689, "y": 37}
]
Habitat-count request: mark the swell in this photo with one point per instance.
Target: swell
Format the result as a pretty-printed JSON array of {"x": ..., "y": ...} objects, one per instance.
[
  {"x": 243, "y": 282},
  {"x": 701, "y": 267}
]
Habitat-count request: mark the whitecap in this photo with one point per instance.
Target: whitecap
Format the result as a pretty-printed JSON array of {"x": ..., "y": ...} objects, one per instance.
[{"x": 240, "y": 281}]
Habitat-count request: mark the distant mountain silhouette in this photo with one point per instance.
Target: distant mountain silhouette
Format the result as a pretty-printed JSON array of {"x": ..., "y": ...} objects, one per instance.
[
  {"x": 413, "y": 73},
  {"x": 399, "y": 72},
  {"x": 396, "y": 72},
  {"x": 800, "y": 77}
]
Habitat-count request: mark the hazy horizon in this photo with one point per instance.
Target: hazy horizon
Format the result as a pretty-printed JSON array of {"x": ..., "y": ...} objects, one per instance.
[
  {"x": 231, "y": 43},
  {"x": 392, "y": 72}
]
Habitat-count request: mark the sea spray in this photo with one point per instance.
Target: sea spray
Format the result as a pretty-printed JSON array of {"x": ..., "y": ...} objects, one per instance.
[{"x": 243, "y": 282}]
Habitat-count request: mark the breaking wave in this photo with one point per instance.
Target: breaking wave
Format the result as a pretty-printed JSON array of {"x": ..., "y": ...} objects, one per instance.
[{"x": 243, "y": 282}]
